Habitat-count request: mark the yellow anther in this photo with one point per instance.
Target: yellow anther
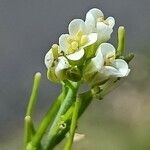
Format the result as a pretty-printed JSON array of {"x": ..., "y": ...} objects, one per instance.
[
  {"x": 69, "y": 39},
  {"x": 100, "y": 19},
  {"x": 76, "y": 38},
  {"x": 83, "y": 40},
  {"x": 110, "y": 57},
  {"x": 69, "y": 50},
  {"x": 74, "y": 45},
  {"x": 55, "y": 49},
  {"x": 79, "y": 33}
]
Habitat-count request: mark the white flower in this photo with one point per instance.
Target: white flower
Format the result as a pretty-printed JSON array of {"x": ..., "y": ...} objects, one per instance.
[
  {"x": 56, "y": 64},
  {"x": 104, "y": 63},
  {"x": 73, "y": 44},
  {"x": 95, "y": 22}
]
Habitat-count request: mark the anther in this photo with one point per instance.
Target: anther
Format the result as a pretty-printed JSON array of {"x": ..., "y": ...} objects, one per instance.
[
  {"x": 100, "y": 19},
  {"x": 74, "y": 45},
  {"x": 83, "y": 40},
  {"x": 109, "y": 58}
]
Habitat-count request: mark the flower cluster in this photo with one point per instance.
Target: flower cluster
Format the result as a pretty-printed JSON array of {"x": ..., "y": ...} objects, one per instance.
[{"x": 84, "y": 54}]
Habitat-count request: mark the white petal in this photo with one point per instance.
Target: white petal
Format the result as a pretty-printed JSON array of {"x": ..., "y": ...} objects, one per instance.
[
  {"x": 77, "y": 55},
  {"x": 107, "y": 48},
  {"x": 119, "y": 68},
  {"x": 110, "y": 71},
  {"x": 49, "y": 59},
  {"x": 95, "y": 64},
  {"x": 91, "y": 19},
  {"x": 111, "y": 21},
  {"x": 90, "y": 23},
  {"x": 92, "y": 38},
  {"x": 104, "y": 32},
  {"x": 63, "y": 43},
  {"x": 96, "y": 12},
  {"x": 61, "y": 66},
  {"x": 77, "y": 25}
]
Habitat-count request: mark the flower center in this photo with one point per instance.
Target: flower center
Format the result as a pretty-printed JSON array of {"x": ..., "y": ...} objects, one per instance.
[
  {"x": 74, "y": 45},
  {"x": 76, "y": 41},
  {"x": 83, "y": 40},
  {"x": 110, "y": 57},
  {"x": 101, "y": 19}
]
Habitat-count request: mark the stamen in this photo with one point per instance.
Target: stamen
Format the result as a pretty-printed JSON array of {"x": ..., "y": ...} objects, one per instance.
[
  {"x": 83, "y": 40},
  {"x": 109, "y": 58},
  {"x": 74, "y": 45},
  {"x": 100, "y": 19},
  {"x": 79, "y": 33},
  {"x": 77, "y": 37},
  {"x": 69, "y": 39}
]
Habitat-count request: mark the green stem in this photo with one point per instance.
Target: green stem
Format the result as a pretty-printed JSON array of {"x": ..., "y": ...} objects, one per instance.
[
  {"x": 48, "y": 118},
  {"x": 85, "y": 100},
  {"x": 34, "y": 94},
  {"x": 69, "y": 99},
  {"x": 28, "y": 124},
  {"x": 28, "y": 129},
  {"x": 73, "y": 126}
]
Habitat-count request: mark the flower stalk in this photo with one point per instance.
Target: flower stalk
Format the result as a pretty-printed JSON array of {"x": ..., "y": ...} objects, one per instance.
[
  {"x": 54, "y": 129},
  {"x": 28, "y": 124},
  {"x": 73, "y": 125}
]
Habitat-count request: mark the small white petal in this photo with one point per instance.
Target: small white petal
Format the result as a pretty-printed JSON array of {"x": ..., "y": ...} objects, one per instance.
[
  {"x": 119, "y": 68},
  {"x": 96, "y": 12},
  {"x": 77, "y": 25},
  {"x": 107, "y": 48},
  {"x": 92, "y": 38},
  {"x": 63, "y": 43},
  {"x": 110, "y": 71},
  {"x": 49, "y": 59},
  {"x": 90, "y": 23},
  {"x": 76, "y": 56},
  {"x": 104, "y": 32},
  {"x": 61, "y": 66},
  {"x": 91, "y": 19},
  {"x": 111, "y": 21},
  {"x": 95, "y": 64}
]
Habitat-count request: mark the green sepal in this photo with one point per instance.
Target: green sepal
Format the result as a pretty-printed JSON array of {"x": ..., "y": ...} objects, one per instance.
[
  {"x": 74, "y": 74},
  {"x": 51, "y": 75}
]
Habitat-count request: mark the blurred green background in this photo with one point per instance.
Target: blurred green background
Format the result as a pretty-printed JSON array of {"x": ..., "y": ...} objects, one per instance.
[{"x": 27, "y": 29}]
